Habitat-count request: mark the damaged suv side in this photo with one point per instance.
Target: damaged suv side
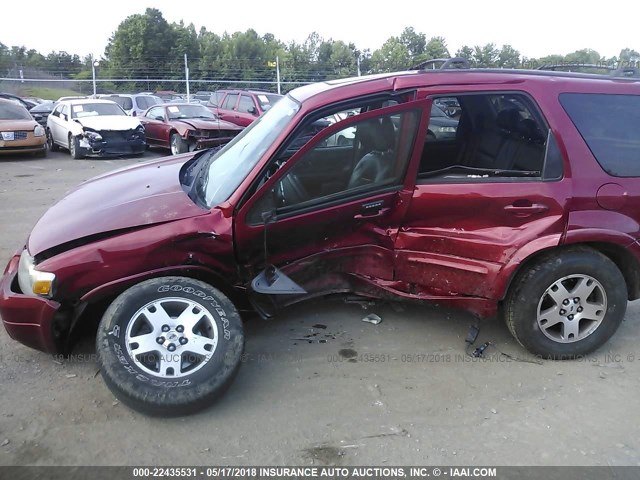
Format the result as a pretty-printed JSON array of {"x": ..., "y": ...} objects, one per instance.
[{"x": 527, "y": 207}]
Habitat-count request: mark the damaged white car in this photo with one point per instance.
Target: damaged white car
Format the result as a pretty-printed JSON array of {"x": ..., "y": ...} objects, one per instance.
[{"x": 94, "y": 128}]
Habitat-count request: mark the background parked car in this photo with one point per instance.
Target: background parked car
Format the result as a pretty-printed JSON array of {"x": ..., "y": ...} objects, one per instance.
[
  {"x": 94, "y": 127},
  {"x": 202, "y": 95},
  {"x": 441, "y": 125},
  {"x": 72, "y": 97},
  {"x": 134, "y": 104},
  {"x": 28, "y": 104},
  {"x": 19, "y": 132},
  {"x": 184, "y": 127},
  {"x": 41, "y": 112},
  {"x": 242, "y": 106},
  {"x": 168, "y": 95}
]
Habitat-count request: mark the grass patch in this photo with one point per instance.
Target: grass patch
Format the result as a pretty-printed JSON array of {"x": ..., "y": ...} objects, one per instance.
[{"x": 47, "y": 93}]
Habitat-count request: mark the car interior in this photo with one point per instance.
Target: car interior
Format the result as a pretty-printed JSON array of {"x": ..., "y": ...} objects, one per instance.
[{"x": 497, "y": 134}]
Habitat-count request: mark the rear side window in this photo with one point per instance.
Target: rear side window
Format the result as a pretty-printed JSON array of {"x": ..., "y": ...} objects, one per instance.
[{"x": 609, "y": 124}]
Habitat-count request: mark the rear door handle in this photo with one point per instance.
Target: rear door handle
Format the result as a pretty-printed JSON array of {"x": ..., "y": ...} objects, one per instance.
[{"x": 523, "y": 210}]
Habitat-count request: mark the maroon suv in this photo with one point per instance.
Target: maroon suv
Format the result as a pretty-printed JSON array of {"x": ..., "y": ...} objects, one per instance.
[
  {"x": 529, "y": 203},
  {"x": 242, "y": 107}
]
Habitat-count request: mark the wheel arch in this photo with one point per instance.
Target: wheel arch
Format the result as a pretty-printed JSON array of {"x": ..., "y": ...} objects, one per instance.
[
  {"x": 96, "y": 301},
  {"x": 626, "y": 262}
]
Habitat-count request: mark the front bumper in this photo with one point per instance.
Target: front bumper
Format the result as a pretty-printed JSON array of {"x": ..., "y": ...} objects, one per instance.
[
  {"x": 112, "y": 147},
  {"x": 30, "y": 144},
  {"x": 29, "y": 320}
]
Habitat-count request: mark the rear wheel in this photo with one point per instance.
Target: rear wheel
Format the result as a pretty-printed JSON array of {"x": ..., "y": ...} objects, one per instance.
[
  {"x": 169, "y": 346},
  {"x": 178, "y": 144},
  {"x": 567, "y": 304}
]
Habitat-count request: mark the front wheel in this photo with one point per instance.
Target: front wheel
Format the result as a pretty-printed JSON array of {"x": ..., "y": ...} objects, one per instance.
[
  {"x": 567, "y": 304},
  {"x": 169, "y": 346},
  {"x": 178, "y": 144},
  {"x": 74, "y": 147},
  {"x": 53, "y": 146}
]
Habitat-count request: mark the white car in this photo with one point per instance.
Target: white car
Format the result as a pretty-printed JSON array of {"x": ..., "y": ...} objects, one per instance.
[
  {"x": 94, "y": 128},
  {"x": 346, "y": 136}
]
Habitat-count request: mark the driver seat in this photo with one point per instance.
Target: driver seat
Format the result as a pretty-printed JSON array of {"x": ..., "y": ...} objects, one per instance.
[{"x": 377, "y": 137}]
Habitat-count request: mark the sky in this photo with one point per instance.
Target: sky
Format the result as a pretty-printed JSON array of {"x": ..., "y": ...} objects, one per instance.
[{"x": 535, "y": 28}]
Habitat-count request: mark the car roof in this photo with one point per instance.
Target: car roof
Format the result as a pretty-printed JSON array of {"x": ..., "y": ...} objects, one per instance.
[
  {"x": 11, "y": 102},
  {"x": 397, "y": 81},
  {"x": 129, "y": 95},
  {"x": 180, "y": 104},
  {"x": 84, "y": 101},
  {"x": 241, "y": 90}
]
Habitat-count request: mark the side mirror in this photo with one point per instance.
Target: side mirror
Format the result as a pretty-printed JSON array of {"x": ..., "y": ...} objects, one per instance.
[
  {"x": 159, "y": 118},
  {"x": 252, "y": 111},
  {"x": 63, "y": 117}
]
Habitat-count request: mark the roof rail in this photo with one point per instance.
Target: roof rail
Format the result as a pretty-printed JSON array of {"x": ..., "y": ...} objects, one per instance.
[
  {"x": 627, "y": 71},
  {"x": 445, "y": 64}
]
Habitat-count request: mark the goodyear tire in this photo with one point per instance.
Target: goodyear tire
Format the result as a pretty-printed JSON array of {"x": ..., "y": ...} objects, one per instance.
[
  {"x": 567, "y": 304},
  {"x": 170, "y": 346}
]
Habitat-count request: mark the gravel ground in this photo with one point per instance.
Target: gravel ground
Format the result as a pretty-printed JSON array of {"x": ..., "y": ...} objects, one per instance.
[{"x": 398, "y": 393}]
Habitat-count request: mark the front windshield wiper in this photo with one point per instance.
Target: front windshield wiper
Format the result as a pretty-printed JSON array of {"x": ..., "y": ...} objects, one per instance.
[
  {"x": 491, "y": 172},
  {"x": 192, "y": 173}
]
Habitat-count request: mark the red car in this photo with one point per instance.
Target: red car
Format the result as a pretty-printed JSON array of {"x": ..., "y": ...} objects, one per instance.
[
  {"x": 242, "y": 107},
  {"x": 529, "y": 209},
  {"x": 184, "y": 127}
]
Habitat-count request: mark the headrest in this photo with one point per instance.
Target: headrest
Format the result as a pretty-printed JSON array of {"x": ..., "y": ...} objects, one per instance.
[
  {"x": 377, "y": 134},
  {"x": 508, "y": 119},
  {"x": 529, "y": 129}
]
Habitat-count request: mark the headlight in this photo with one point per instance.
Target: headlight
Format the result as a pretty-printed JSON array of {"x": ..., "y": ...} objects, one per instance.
[
  {"x": 93, "y": 136},
  {"x": 445, "y": 129},
  {"x": 38, "y": 131},
  {"x": 33, "y": 281}
]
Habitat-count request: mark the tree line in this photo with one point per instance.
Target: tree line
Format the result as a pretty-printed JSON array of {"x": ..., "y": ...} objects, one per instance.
[{"x": 146, "y": 47}]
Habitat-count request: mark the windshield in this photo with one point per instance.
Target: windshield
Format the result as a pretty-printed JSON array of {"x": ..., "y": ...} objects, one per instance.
[
  {"x": 230, "y": 166},
  {"x": 10, "y": 111},
  {"x": 95, "y": 109},
  {"x": 189, "y": 111}
]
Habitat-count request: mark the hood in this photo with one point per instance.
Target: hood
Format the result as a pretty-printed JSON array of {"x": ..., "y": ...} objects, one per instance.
[
  {"x": 204, "y": 124},
  {"x": 109, "y": 122},
  {"x": 11, "y": 125},
  {"x": 443, "y": 122},
  {"x": 131, "y": 197}
]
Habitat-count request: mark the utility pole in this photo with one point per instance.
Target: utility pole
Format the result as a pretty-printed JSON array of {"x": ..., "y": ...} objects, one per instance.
[
  {"x": 358, "y": 62},
  {"x": 186, "y": 74},
  {"x": 278, "y": 73}
]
